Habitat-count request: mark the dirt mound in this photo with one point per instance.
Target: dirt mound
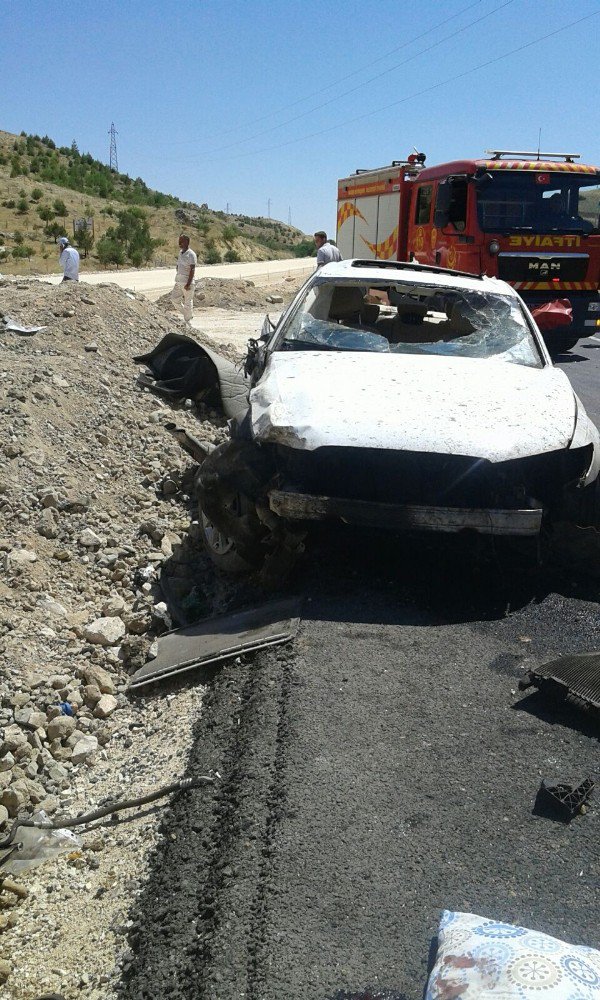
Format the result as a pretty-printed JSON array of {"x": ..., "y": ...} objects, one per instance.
[
  {"x": 239, "y": 294},
  {"x": 94, "y": 500}
]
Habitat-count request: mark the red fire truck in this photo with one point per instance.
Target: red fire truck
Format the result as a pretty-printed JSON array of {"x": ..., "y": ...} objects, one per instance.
[{"x": 531, "y": 219}]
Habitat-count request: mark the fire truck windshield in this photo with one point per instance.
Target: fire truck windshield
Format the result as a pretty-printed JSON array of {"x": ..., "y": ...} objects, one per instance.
[{"x": 516, "y": 200}]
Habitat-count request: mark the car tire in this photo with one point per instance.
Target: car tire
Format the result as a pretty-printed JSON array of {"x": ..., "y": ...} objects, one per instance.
[{"x": 223, "y": 551}]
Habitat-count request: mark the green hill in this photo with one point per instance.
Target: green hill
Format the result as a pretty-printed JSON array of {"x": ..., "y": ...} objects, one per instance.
[{"x": 45, "y": 189}]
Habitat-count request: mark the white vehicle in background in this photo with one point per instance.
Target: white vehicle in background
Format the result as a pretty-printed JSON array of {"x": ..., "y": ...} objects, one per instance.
[{"x": 403, "y": 397}]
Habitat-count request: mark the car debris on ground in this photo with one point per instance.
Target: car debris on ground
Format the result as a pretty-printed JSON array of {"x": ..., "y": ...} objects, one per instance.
[
  {"x": 576, "y": 675},
  {"x": 215, "y": 640},
  {"x": 563, "y": 801}
]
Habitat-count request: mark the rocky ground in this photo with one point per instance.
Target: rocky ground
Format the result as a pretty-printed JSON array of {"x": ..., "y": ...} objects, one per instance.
[{"x": 94, "y": 503}]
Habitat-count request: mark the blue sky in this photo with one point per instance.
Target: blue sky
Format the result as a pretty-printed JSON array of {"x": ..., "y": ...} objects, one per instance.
[{"x": 204, "y": 94}]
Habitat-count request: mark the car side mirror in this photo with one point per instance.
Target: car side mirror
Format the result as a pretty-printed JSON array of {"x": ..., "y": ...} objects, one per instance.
[{"x": 267, "y": 329}]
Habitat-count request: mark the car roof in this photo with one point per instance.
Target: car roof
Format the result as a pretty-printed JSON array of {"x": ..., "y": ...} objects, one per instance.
[{"x": 389, "y": 271}]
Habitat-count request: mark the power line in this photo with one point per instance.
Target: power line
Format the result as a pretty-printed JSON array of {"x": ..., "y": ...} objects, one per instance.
[
  {"x": 342, "y": 79},
  {"x": 419, "y": 93},
  {"x": 345, "y": 93}
]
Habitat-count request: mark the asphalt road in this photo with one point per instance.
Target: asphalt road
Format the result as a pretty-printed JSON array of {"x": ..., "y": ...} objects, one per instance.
[
  {"x": 382, "y": 768},
  {"x": 160, "y": 279}
]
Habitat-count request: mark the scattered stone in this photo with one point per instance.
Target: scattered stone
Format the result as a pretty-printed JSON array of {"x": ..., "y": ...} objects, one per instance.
[
  {"x": 98, "y": 676},
  {"x": 85, "y": 747},
  {"x": 60, "y": 727},
  {"x": 105, "y": 706},
  {"x": 105, "y": 631},
  {"x": 91, "y": 348},
  {"x": 90, "y": 540},
  {"x": 47, "y": 524}
]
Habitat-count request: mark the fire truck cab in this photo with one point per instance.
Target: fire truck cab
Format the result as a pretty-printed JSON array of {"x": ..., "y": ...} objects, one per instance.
[{"x": 531, "y": 219}]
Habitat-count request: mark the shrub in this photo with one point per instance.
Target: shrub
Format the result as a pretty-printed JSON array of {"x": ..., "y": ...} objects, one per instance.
[
  {"x": 232, "y": 257},
  {"x": 110, "y": 251},
  {"x": 229, "y": 233},
  {"x": 36, "y": 194},
  {"x": 212, "y": 256},
  {"x": 22, "y": 252},
  {"x": 18, "y": 237},
  {"x": 60, "y": 208},
  {"x": 22, "y": 206},
  {"x": 9, "y": 204}
]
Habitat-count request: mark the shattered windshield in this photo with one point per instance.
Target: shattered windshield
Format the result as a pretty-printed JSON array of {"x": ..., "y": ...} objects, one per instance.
[
  {"x": 538, "y": 202},
  {"x": 406, "y": 318}
]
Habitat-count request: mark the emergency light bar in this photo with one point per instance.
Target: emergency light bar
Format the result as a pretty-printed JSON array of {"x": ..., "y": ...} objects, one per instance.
[{"x": 497, "y": 154}]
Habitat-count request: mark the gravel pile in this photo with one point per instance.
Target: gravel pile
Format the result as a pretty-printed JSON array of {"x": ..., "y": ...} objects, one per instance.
[
  {"x": 240, "y": 294},
  {"x": 94, "y": 501}
]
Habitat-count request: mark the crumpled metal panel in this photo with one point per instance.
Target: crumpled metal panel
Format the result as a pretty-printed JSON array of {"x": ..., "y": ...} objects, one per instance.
[
  {"x": 491, "y": 410},
  {"x": 215, "y": 640}
]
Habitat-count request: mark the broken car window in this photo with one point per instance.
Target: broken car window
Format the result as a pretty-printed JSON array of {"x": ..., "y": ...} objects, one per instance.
[{"x": 405, "y": 318}]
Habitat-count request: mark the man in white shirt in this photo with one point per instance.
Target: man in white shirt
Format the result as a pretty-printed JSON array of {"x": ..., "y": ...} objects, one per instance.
[
  {"x": 326, "y": 251},
  {"x": 183, "y": 293},
  {"x": 69, "y": 260}
]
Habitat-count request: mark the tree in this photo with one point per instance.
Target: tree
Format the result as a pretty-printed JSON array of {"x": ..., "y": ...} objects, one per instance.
[
  {"x": 36, "y": 194},
  {"x": 133, "y": 233},
  {"x": 45, "y": 213},
  {"x": 53, "y": 230},
  {"x": 84, "y": 240},
  {"x": 60, "y": 208},
  {"x": 22, "y": 206},
  {"x": 109, "y": 250}
]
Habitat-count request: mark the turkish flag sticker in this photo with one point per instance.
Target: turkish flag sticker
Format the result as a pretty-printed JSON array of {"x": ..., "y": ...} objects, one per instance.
[{"x": 542, "y": 178}]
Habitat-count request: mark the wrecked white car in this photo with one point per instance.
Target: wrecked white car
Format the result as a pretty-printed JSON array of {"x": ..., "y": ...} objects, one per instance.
[{"x": 402, "y": 397}]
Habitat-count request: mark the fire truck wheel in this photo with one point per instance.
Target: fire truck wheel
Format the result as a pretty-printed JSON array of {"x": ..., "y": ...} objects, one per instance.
[{"x": 562, "y": 344}]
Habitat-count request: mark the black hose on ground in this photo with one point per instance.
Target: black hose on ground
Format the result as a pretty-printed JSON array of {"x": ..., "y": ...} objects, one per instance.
[{"x": 184, "y": 785}]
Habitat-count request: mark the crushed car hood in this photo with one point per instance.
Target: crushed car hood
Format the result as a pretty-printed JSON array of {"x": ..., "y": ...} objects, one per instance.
[{"x": 484, "y": 408}]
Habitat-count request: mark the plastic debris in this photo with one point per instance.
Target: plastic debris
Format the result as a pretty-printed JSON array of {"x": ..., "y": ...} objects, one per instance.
[
  {"x": 14, "y": 327},
  {"x": 34, "y": 845},
  {"x": 563, "y": 801}
]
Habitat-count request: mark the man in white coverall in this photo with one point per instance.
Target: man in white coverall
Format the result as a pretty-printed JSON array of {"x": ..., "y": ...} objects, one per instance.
[
  {"x": 69, "y": 260},
  {"x": 183, "y": 293}
]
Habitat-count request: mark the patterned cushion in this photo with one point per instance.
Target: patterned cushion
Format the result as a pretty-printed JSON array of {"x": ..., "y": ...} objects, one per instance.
[{"x": 488, "y": 960}]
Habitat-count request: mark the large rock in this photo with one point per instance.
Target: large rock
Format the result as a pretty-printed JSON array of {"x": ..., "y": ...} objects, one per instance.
[
  {"x": 15, "y": 798},
  {"x": 85, "y": 747},
  {"x": 13, "y": 737},
  {"x": 90, "y": 540},
  {"x": 47, "y": 524},
  {"x": 105, "y": 706},
  {"x": 105, "y": 631},
  {"x": 61, "y": 727},
  {"x": 3, "y": 815},
  {"x": 100, "y": 678}
]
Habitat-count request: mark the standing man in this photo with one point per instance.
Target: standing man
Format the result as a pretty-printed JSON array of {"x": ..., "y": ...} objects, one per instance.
[
  {"x": 326, "y": 252},
  {"x": 69, "y": 260},
  {"x": 183, "y": 293}
]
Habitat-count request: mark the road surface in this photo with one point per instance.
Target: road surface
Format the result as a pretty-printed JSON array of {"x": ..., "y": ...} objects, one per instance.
[
  {"x": 159, "y": 280},
  {"x": 382, "y": 768}
]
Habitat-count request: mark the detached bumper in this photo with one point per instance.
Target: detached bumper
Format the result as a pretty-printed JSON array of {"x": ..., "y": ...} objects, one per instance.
[{"x": 305, "y": 507}]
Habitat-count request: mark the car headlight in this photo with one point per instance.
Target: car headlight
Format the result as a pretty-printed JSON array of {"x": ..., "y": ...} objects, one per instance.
[{"x": 494, "y": 246}]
